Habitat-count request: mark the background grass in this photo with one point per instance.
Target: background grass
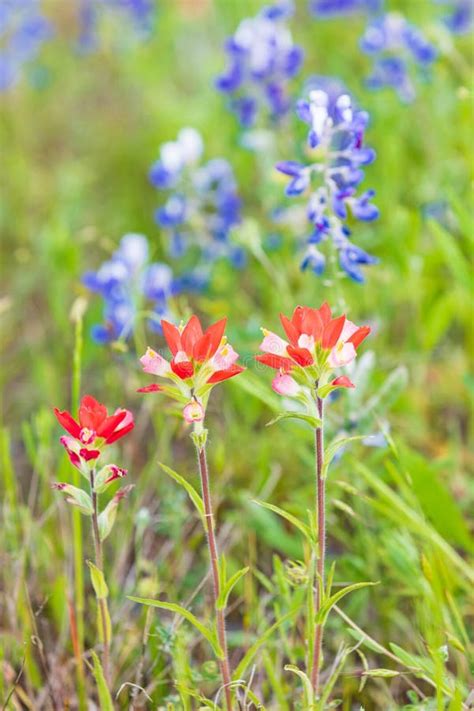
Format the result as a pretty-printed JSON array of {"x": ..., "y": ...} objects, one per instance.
[{"x": 78, "y": 136}]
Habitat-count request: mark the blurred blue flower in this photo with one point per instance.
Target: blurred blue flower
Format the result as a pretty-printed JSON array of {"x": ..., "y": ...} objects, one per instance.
[
  {"x": 261, "y": 59},
  {"x": 461, "y": 18},
  {"x": 202, "y": 206},
  {"x": 336, "y": 8},
  {"x": 23, "y": 31},
  {"x": 137, "y": 14},
  {"x": 399, "y": 49},
  {"x": 128, "y": 283},
  {"x": 335, "y": 144}
]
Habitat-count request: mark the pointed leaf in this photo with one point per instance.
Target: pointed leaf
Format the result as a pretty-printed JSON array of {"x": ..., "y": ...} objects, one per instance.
[
  {"x": 303, "y": 527},
  {"x": 191, "y": 491},
  {"x": 313, "y": 421},
  {"x": 328, "y": 604},
  {"x": 333, "y": 448},
  {"x": 227, "y": 587},
  {"x": 98, "y": 581},
  {"x": 105, "y": 700},
  {"x": 178, "y": 610},
  {"x": 307, "y": 687}
]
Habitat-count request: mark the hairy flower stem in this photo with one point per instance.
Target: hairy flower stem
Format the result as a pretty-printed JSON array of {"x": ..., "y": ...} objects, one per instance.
[
  {"x": 99, "y": 561},
  {"x": 214, "y": 558},
  {"x": 320, "y": 506}
]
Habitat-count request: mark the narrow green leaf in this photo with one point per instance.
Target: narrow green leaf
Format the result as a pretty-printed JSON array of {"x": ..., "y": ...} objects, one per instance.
[
  {"x": 381, "y": 673},
  {"x": 105, "y": 700},
  {"x": 323, "y": 613},
  {"x": 307, "y": 686},
  {"x": 98, "y": 581},
  {"x": 252, "y": 651},
  {"x": 192, "y": 493},
  {"x": 227, "y": 587},
  {"x": 178, "y": 610},
  {"x": 333, "y": 448},
  {"x": 313, "y": 421},
  {"x": 303, "y": 527}
]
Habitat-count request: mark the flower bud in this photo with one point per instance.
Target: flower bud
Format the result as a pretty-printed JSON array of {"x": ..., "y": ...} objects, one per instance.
[{"x": 193, "y": 412}]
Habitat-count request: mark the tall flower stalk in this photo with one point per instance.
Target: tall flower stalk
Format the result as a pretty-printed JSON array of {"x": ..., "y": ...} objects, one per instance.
[
  {"x": 320, "y": 507},
  {"x": 200, "y": 360},
  {"x": 317, "y": 345},
  {"x": 199, "y": 437},
  {"x": 84, "y": 444}
]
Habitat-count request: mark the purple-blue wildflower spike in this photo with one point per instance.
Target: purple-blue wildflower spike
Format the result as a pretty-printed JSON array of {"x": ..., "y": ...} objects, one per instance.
[
  {"x": 399, "y": 51},
  {"x": 336, "y": 131},
  {"x": 125, "y": 281},
  {"x": 262, "y": 59}
]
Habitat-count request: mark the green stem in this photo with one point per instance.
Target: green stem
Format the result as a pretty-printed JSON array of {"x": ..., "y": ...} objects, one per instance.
[
  {"x": 214, "y": 559},
  {"x": 99, "y": 561},
  {"x": 77, "y": 532},
  {"x": 319, "y": 588}
]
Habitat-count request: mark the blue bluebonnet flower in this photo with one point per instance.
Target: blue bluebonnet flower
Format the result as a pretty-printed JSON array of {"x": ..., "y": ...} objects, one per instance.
[
  {"x": 23, "y": 31},
  {"x": 331, "y": 177},
  {"x": 337, "y": 8},
  {"x": 128, "y": 283},
  {"x": 202, "y": 206},
  {"x": 261, "y": 59},
  {"x": 399, "y": 49},
  {"x": 461, "y": 18},
  {"x": 137, "y": 14}
]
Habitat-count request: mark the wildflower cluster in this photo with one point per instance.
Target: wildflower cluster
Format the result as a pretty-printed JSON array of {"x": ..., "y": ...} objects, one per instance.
[
  {"x": 261, "y": 59},
  {"x": 336, "y": 152},
  {"x": 126, "y": 282},
  {"x": 200, "y": 360},
  {"x": 23, "y": 31},
  {"x": 202, "y": 206},
  {"x": 87, "y": 437},
  {"x": 138, "y": 14},
  {"x": 317, "y": 345},
  {"x": 398, "y": 48}
]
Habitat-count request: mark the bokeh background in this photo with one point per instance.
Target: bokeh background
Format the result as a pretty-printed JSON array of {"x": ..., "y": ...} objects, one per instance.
[{"x": 80, "y": 128}]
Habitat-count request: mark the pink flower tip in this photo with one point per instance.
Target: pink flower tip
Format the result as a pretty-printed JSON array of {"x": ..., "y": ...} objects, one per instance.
[
  {"x": 284, "y": 384},
  {"x": 343, "y": 382},
  {"x": 193, "y": 412}
]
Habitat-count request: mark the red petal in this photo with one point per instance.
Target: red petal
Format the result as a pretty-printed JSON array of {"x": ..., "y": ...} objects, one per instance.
[
  {"x": 153, "y": 388},
  {"x": 359, "y": 335},
  {"x": 67, "y": 421},
  {"x": 297, "y": 318},
  {"x": 91, "y": 413},
  {"x": 172, "y": 336},
  {"x": 302, "y": 356},
  {"x": 110, "y": 424},
  {"x": 89, "y": 454},
  {"x": 343, "y": 382},
  {"x": 183, "y": 370},
  {"x": 325, "y": 313},
  {"x": 191, "y": 334},
  {"x": 121, "y": 432},
  {"x": 332, "y": 331},
  {"x": 225, "y": 374},
  {"x": 312, "y": 323},
  {"x": 209, "y": 343},
  {"x": 290, "y": 330},
  {"x": 275, "y": 361}
]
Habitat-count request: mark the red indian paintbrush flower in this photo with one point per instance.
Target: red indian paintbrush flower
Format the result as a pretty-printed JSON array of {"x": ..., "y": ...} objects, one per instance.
[
  {"x": 200, "y": 359},
  {"x": 317, "y": 344},
  {"x": 93, "y": 431}
]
